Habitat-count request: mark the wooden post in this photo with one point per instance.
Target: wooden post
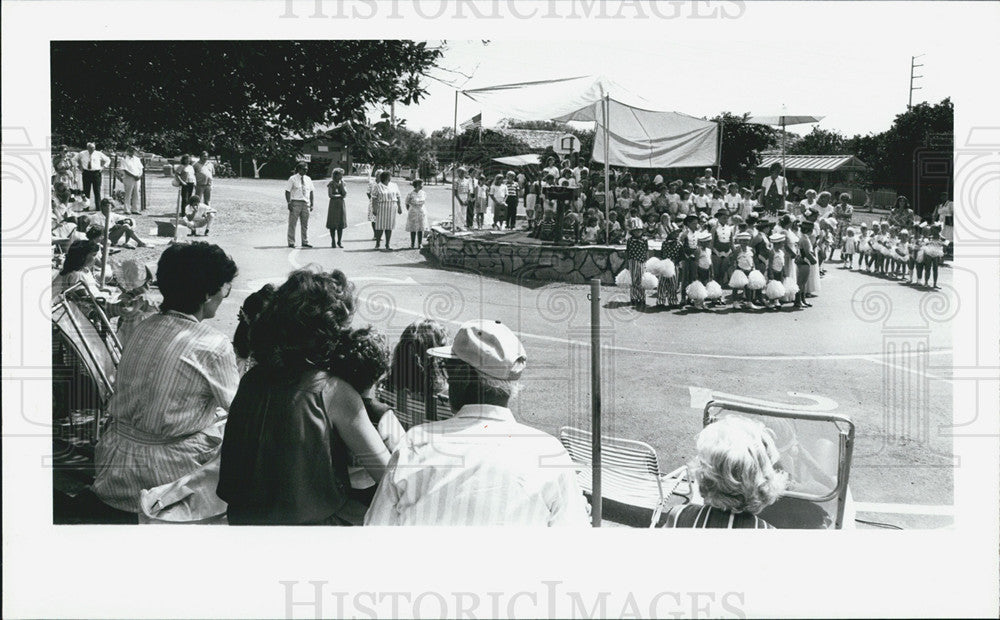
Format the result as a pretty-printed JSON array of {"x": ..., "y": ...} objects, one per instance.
[{"x": 142, "y": 186}]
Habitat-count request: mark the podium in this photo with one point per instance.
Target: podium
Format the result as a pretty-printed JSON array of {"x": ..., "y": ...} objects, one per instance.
[{"x": 562, "y": 196}]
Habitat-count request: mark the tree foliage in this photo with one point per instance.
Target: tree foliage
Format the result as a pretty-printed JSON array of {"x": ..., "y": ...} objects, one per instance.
[
  {"x": 742, "y": 144},
  {"x": 820, "y": 142},
  {"x": 226, "y": 96}
]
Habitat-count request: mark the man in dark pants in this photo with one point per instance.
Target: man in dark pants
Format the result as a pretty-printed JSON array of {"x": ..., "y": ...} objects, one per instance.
[{"x": 92, "y": 163}]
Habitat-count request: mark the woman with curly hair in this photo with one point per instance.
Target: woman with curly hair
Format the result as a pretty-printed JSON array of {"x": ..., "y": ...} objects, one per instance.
[
  {"x": 412, "y": 368},
  {"x": 252, "y": 306},
  {"x": 736, "y": 475},
  {"x": 296, "y": 420}
]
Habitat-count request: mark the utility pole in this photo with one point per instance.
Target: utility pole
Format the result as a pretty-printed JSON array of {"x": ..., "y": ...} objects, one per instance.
[{"x": 913, "y": 77}]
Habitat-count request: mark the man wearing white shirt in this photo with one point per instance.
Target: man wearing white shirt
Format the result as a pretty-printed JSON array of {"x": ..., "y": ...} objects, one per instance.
[
  {"x": 775, "y": 190},
  {"x": 480, "y": 467},
  {"x": 131, "y": 169},
  {"x": 204, "y": 175},
  {"x": 299, "y": 196},
  {"x": 92, "y": 163}
]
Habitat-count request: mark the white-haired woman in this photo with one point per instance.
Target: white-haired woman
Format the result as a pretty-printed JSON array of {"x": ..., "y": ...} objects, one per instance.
[{"x": 736, "y": 476}]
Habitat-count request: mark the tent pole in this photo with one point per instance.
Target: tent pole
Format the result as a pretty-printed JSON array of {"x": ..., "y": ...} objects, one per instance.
[
  {"x": 718, "y": 169},
  {"x": 607, "y": 169},
  {"x": 454, "y": 166}
]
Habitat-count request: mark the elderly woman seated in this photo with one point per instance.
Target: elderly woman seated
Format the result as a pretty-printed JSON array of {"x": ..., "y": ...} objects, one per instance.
[{"x": 736, "y": 475}]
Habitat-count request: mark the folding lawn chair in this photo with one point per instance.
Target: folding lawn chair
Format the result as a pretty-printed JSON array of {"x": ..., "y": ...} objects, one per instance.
[
  {"x": 630, "y": 470},
  {"x": 411, "y": 409},
  {"x": 816, "y": 451}
]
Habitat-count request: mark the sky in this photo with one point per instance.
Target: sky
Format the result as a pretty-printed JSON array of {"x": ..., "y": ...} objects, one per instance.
[{"x": 857, "y": 91}]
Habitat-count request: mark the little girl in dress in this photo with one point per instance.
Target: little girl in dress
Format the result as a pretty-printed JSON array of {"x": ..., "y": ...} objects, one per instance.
[{"x": 416, "y": 217}]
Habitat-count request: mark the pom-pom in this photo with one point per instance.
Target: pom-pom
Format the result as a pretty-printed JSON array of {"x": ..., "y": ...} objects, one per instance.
[
  {"x": 778, "y": 262},
  {"x": 649, "y": 281},
  {"x": 791, "y": 286},
  {"x": 738, "y": 280},
  {"x": 651, "y": 265},
  {"x": 713, "y": 290},
  {"x": 704, "y": 262},
  {"x": 696, "y": 291},
  {"x": 756, "y": 280},
  {"x": 934, "y": 251},
  {"x": 664, "y": 269},
  {"x": 921, "y": 255},
  {"x": 774, "y": 290},
  {"x": 624, "y": 278},
  {"x": 864, "y": 247}
]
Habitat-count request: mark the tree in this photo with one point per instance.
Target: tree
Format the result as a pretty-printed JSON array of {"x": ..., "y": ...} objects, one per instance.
[
  {"x": 227, "y": 96},
  {"x": 914, "y": 156},
  {"x": 742, "y": 143},
  {"x": 819, "y": 142},
  {"x": 480, "y": 146}
]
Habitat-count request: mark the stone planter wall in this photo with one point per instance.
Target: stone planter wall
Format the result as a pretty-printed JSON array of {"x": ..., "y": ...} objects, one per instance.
[{"x": 576, "y": 265}]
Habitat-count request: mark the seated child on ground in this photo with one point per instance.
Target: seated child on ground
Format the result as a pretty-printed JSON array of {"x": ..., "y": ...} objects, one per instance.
[{"x": 197, "y": 215}]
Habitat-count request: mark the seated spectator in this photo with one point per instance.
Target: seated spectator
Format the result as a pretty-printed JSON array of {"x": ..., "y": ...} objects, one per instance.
[
  {"x": 175, "y": 381},
  {"x": 119, "y": 226},
  {"x": 590, "y": 231},
  {"x": 135, "y": 304},
  {"x": 197, "y": 215},
  {"x": 77, "y": 266},
  {"x": 248, "y": 313},
  {"x": 296, "y": 423},
  {"x": 736, "y": 475},
  {"x": 63, "y": 204},
  {"x": 363, "y": 356},
  {"x": 649, "y": 230},
  {"x": 412, "y": 369},
  {"x": 481, "y": 467}
]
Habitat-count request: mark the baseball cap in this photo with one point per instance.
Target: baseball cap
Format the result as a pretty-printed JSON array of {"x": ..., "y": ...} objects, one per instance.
[{"x": 488, "y": 346}]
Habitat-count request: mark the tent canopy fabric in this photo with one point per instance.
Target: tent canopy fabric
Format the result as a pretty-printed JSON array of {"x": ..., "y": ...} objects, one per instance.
[
  {"x": 640, "y": 135},
  {"x": 530, "y": 159},
  {"x": 821, "y": 163}
]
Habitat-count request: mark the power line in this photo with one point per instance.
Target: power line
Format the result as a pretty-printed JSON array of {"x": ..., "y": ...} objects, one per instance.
[{"x": 913, "y": 66}]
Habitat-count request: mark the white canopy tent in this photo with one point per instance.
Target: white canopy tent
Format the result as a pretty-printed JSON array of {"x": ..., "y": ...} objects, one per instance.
[
  {"x": 530, "y": 159},
  {"x": 630, "y": 130}
]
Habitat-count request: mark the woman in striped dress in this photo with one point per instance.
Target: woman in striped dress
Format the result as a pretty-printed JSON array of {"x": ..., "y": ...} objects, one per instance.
[
  {"x": 175, "y": 382},
  {"x": 385, "y": 205},
  {"x": 736, "y": 474}
]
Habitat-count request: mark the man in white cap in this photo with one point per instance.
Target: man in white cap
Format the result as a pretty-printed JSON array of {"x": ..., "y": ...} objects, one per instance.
[{"x": 480, "y": 467}]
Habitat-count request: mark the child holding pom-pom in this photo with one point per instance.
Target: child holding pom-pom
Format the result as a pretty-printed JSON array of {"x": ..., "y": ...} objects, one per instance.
[
  {"x": 636, "y": 254},
  {"x": 775, "y": 290},
  {"x": 690, "y": 253},
  {"x": 760, "y": 243},
  {"x": 933, "y": 253},
  {"x": 740, "y": 279},
  {"x": 670, "y": 251}
]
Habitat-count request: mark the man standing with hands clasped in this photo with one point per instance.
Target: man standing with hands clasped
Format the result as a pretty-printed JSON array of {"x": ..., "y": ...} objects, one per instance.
[
  {"x": 299, "y": 196},
  {"x": 92, "y": 163},
  {"x": 481, "y": 467}
]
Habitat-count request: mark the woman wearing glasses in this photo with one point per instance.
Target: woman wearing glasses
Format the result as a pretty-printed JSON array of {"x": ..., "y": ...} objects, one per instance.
[{"x": 174, "y": 385}]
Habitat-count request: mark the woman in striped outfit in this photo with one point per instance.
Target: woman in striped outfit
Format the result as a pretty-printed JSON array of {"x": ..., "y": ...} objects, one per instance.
[
  {"x": 736, "y": 475},
  {"x": 636, "y": 254},
  {"x": 174, "y": 385},
  {"x": 385, "y": 205}
]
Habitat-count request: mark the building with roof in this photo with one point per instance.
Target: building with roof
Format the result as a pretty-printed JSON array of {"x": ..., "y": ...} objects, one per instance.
[
  {"x": 537, "y": 139},
  {"x": 833, "y": 173}
]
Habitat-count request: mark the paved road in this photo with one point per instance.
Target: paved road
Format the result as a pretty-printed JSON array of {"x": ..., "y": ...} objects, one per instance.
[{"x": 869, "y": 348}]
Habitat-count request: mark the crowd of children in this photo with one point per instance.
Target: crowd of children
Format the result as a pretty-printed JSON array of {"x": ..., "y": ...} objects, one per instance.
[{"x": 765, "y": 262}]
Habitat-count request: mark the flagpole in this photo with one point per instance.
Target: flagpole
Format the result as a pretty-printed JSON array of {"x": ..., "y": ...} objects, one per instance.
[{"x": 454, "y": 167}]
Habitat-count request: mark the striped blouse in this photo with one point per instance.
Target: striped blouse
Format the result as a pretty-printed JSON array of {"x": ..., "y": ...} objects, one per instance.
[
  {"x": 480, "y": 467},
  {"x": 175, "y": 382},
  {"x": 696, "y": 516},
  {"x": 385, "y": 202}
]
